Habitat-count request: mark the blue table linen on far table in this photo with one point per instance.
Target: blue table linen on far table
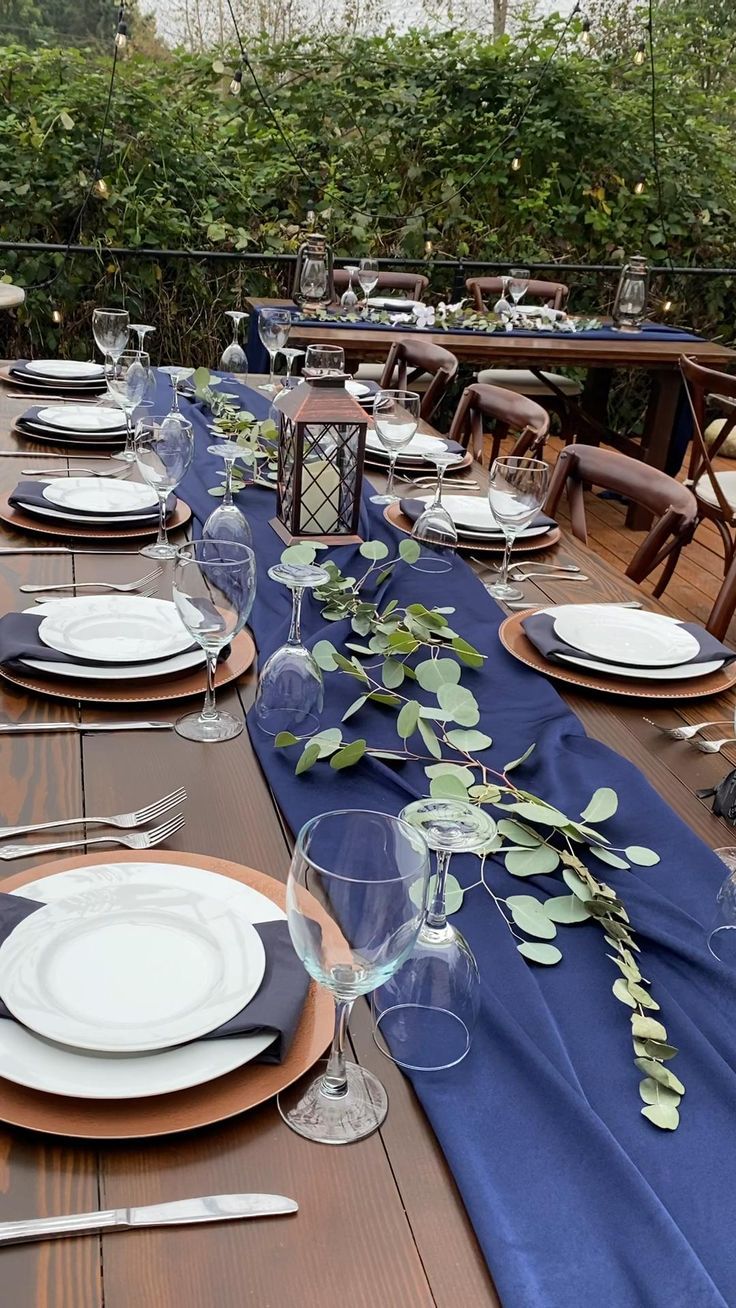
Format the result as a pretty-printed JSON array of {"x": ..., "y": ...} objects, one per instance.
[{"x": 575, "y": 1198}]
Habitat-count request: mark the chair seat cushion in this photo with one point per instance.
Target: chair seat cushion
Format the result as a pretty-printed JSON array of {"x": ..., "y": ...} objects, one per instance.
[
  {"x": 727, "y": 483},
  {"x": 524, "y": 381},
  {"x": 374, "y": 372}
]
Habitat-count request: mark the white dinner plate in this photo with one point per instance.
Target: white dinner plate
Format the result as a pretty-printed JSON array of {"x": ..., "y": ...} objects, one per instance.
[
  {"x": 104, "y": 520},
  {"x": 390, "y": 302},
  {"x": 115, "y": 672},
  {"x": 130, "y": 968},
  {"x": 683, "y": 672},
  {"x": 31, "y": 382},
  {"x": 46, "y": 436},
  {"x": 357, "y": 389},
  {"x": 28, "y": 1060},
  {"x": 81, "y": 417},
  {"x": 114, "y": 628},
  {"x": 461, "y": 510},
  {"x": 632, "y": 637},
  {"x": 95, "y": 495},
  {"x": 418, "y": 448},
  {"x": 66, "y": 369}
]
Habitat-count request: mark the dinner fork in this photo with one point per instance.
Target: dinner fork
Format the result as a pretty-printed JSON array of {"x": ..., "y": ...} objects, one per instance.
[
  {"x": 713, "y": 746},
  {"x": 137, "y": 840},
  {"x": 30, "y": 588},
  {"x": 138, "y": 818},
  {"x": 146, "y": 592},
  {"x": 120, "y": 473},
  {"x": 687, "y": 733}
]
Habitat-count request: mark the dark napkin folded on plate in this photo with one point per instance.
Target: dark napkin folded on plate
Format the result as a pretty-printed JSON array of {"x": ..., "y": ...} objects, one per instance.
[
  {"x": 540, "y": 630},
  {"x": 276, "y": 1006},
  {"x": 29, "y": 421},
  {"x": 19, "y": 639},
  {"x": 20, "y": 369},
  {"x": 412, "y": 509},
  {"x": 30, "y": 494},
  {"x": 422, "y": 461}
]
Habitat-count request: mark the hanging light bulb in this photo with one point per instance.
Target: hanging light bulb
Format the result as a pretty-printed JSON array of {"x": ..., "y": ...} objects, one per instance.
[
  {"x": 640, "y": 53},
  {"x": 516, "y": 161},
  {"x": 56, "y": 316},
  {"x": 640, "y": 186},
  {"x": 666, "y": 306},
  {"x": 237, "y": 82},
  {"x": 100, "y": 188},
  {"x": 121, "y": 36},
  {"x": 584, "y": 36},
  {"x": 428, "y": 245}
]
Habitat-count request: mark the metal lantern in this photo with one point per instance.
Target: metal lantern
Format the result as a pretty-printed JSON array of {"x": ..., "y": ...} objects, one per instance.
[
  {"x": 321, "y": 447},
  {"x": 630, "y": 304},
  {"x": 314, "y": 285}
]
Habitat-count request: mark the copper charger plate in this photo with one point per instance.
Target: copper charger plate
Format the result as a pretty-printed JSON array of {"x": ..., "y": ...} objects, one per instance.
[
  {"x": 183, "y": 685},
  {"x": 512, "y": 638},
  {"x": 392, "y": 513},
  {"x": 54, "y": 387},
  {"x": 21, "y": 521},
  {"x": 182, "y": 1110}
]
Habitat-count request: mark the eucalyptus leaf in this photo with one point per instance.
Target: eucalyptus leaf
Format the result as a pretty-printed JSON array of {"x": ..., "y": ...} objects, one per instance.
[
  {"x": 433, "y": 673},
  {"x": 307, "y": 759},
  {"x": 660, "y": 1073},
  {"x": 533, "y": 921},
  {"x": 538, "y": 953},
  {"x": 467, "y": 653},
  {"x": 659, "y": 1050},
  {"x": 354, "y": 707},
  {"x": 642, "y": 856},
  {"x": 606, "y": 856},
  {"x": 485, "y": 794},
  {"x": 531, "y": 862},
  {"x": 447, "y": 787},
  {"x": 328, "y": 741},
  {"x": 544, "y": 813},
  {"x": 323, "y": 653},
  {"x": 374, "y": 549},
  {"x": 470, "y": 742},
  {"x": 654, "y": 1093},
  {"x": 566, "y": 909},
  {"x": 517, "y": 762},
  {"x": 603, "y": 804},
  {"x": 429, "y": 737},
  {"x": 348, "y": 755},
  {"x": 300, "y": 554},
  {"x": 406, "y": 722},
  {"x": 664, "y": 1116},
  {"x": 285, "y": 738},
  {"x": 409, "y": 550},
  {"x": 621, "y": 991},
  {"x": 453, "y": 893},
  {"x": 460, "y": 703},
  {"x": 520, "y": 835},
  {"x": 464, "y": 775},
  {"x": 647, "y": 1028},
  {"x": 576, "y": 884},
  {"x": 392, "y": 674}
]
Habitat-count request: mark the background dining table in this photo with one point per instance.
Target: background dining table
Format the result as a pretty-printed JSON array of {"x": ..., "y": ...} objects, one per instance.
[{"x": 380, "y": 1222}]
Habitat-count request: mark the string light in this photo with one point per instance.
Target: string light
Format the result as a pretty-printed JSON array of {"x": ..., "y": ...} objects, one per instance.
[
  {"x": 428, "y": 244},
  {"x": 584, "y": 36},
  {"x": 56, "y": 316},
  {"x": 640, "y": 53},
  {"x": 666, "y": 306},
  {"x": 121, "y": 36},
  {"x": 640, "y": 186},
  {"x": 236, "y": 85},
  {"x": 516, "y": 161},
  {"x": 100, "y": 188}
]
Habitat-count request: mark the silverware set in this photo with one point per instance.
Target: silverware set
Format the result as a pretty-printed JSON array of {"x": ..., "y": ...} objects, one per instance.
[
  {"x": 688, "y": 732},
  {"x": 144, "y": 585},
  {"x": 41, "y": 728},
  {"x": 121, "y": 821}
]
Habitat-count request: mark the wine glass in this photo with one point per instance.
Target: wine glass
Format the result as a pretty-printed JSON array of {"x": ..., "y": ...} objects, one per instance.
[
  {"x": 354, "y": 899},
  {"x": 722, "y": 934},
  {"x": 324, "y": 361},
  {"x": 110, "y": 328},
  {"x": 395, "y": 421},
  {"x": 518, "y": 284},
  {"x": 517, "y": 489},
  {"x": 214, "y": 589},
  {"x": 291, "y": 355},
  {"x": 177, "y": 375},
  {"x": 425, "y": 1014},
  {"x": 434, "y": 529},
  {"x": 163, "y": 451},
  {"x": 234, "y": 358},
  {"x": 273, "y": 329},
  {"x": 227, "y": 521},
  {"x": 368, "y": 278},
  {"x": 127, "y": 379},
  {"x": 348, "y": 299},
  {"x": 290, "y": 692},
  {"x": 141, "y": 330}
]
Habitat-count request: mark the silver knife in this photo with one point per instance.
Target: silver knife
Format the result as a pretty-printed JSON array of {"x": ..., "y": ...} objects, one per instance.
[
  {"x": 62, "y": 549},
  {"x": 10, "y": 728},
  {"x": 212, "y": 1208}
]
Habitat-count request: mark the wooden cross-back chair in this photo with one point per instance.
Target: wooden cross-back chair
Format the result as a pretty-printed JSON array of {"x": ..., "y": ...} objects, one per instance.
[
  {"x": 411, "y": 285},
  {"x": 506, "y": 412},
  {"x": 672, "y": 504},
  {"x": 485, "y": 289},
  {"x": 411, "y": 357}
]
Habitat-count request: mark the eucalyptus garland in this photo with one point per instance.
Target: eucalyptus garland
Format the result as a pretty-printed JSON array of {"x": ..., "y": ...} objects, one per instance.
[
  {"x": 453, "y": 317},
  {"x": 256, "y": 439},
  {"x": 397, "y": 649}
]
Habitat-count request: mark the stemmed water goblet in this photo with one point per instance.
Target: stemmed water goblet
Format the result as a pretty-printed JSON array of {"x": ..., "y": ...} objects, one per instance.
[
  {"x": 368, "y": 278},
  {"x": 214, "y": 589},
  {"x": 425, "y": 1014},
  {"x": 233, "y": 357},
  {"x": 348, "y": 299},
  {"x": 354, "y": 899},
  {"x": 163, "y": 451},
  {"x": 395, "y": 421},
  {"x": 141, "y": 330},
  {"x": 722, "y": 933},
  {"x": 128, "y": 378},
  {"x": 110, "y": 328},
  {"x": 227, "y": 521},
  {"x": 434, "y": 529},
  {"x": 517, "y": 489},
  {"x": 518, "y": 284},
  {"x": 290, "y": 692},
  {"x": 291, "y": 355},
  {"x": 273, "y": 328},
  {"x": 176, "y": 375}
]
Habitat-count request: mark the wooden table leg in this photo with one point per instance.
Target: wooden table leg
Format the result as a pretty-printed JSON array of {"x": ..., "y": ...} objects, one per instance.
[
  {"x": 594, "y": 401},
  {"x": 658, "y": 431}
]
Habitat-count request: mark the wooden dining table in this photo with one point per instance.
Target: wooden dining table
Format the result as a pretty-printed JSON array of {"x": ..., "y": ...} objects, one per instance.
[{"x": 380, "y": 1222}]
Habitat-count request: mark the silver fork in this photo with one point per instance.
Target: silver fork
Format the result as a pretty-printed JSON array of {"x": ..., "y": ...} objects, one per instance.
[
  {"x": 123, "y": 820},
  {"x": 687, "y": 733},
  {"x": 32, "y": 588},
  {"x": 138, "y": 840},
  {"x": 119, "y": 473},
  {"x": 713, "y": 746},
  {"x": 147, "y": 592}
]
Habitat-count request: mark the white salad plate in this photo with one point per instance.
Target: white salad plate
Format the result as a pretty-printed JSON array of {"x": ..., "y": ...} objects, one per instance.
[
  {"x": 357, "y": 389},
  {"x": 628, "y": 636},
  {"x": 417, "y": 450},
  {"x": 114, "y": 628},
  {"x": 472, "y": 516},
  {"x": 130, "y": 968},
  {"x": 29, "y": 1060},
  {"x": 81, "y": 417},
  {"x": 66, "y": 370},
  {"x": 93, "y": 495},
  {"x": 681, "y": 672},
  {"x": 104, "y": 520}
]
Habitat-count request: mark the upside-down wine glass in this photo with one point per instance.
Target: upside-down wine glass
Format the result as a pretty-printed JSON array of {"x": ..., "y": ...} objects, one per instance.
[
  {"x": 227, "y": 521},
  {"x": 395, "y": 421},
  {"x": 141, "y": 330},
  {"x": 164, "y": 449},
  {"x": 425, "y": 1014},
  {"x": 290, "y": 692},
  {"x": 273, "y": 328},
  {"x": 214, "y": 589},
  {"x": 354, "y": 901},
  {"x": 517, "y": 489},
  {"x": 176, "y": 374},
  {"x": 291, "y": 355},
  {"x": 233, "y": 357},
  {"x": 368, "y": 278},
  {"x": 722, "y": 934},
  {"x": 518, "y": 284},
  {"x": 127, "y": 378},
  {"x": 434, "y": 529},
  {"x": 324, "y": 361},
  {"x": 111, "y": 328},
  {"x": 348, "y": 299}
]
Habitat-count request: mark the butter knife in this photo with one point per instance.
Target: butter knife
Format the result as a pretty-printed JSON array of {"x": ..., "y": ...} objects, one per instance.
[
  {"x": 212, "y": 1208},
  {"x": 11, "y": 728}
]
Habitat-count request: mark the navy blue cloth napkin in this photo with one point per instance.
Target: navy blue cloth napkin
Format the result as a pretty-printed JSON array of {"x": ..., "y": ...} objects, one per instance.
[
  {"x": 30, "y": 494},
  {"x": 276, "y": 1006},
  {"x": 413, "y": 508},
  {"x": 19, "y": 639},
  {"x": 540, "y": 629},
  {"x": 19, "y": 368},
  {"x": 574, "y": 1197},
  {"x": 29, "y": 421}
]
